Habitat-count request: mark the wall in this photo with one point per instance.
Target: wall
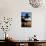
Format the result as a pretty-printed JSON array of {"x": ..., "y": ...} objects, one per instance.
[
  {"x": 45, "y": 28},
  {"x": 13, "y": 8}
]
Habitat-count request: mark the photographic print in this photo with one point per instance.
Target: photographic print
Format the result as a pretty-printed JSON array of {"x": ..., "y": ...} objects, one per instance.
[{"x": 26, "y": 19}]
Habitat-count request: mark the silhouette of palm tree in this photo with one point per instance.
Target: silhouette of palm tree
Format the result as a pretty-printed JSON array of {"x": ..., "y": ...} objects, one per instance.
[{"x": 27, "y": 15}]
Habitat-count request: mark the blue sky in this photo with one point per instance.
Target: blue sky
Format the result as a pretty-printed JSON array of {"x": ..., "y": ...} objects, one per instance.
[{"x": 24, "y": 14}]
